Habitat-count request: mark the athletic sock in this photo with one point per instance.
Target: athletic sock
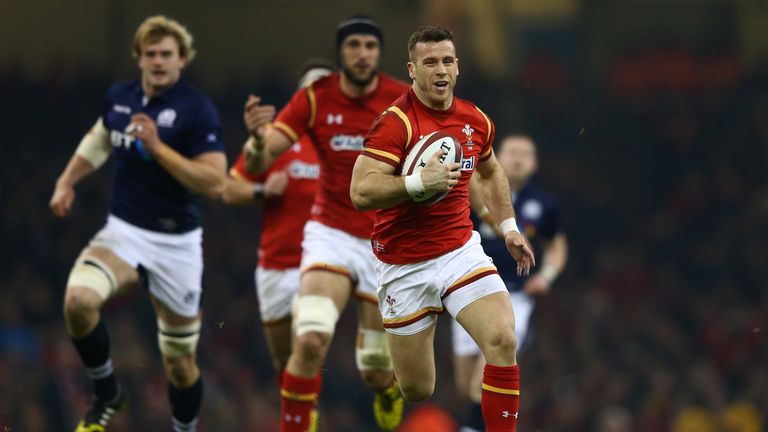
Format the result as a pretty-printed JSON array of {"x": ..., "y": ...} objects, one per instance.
[
  {"x": 93, "y": 349},
  {"x": 501, "y": 397},
  {"x": 185, "y": 405},
  {"x": 298, "y": 397}
]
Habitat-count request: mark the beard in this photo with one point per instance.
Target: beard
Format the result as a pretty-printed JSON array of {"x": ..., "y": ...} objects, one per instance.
[{"x": 360, "y": 81}]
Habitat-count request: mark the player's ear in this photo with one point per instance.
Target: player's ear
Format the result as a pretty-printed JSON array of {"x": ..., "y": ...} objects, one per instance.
[
  {"x": 411, "y": 73},
  {"x": 457, "y": 66}
]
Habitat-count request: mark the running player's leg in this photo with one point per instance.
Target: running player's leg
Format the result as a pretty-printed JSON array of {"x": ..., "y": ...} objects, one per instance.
[
  {"x": 413, "y": 358},
  {"x": 468, "y": 365},
  {"x": 322, "y": 295},
  {"x": 178, "y": 336},
  {"x": 375, "y": 365},
  {"x": 96, "y": 276},
  {"x": 276, "y": 290},
  {"x": 491, "y": 323}
]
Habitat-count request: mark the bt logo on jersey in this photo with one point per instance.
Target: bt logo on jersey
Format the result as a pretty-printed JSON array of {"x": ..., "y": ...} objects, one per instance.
[
  {"x": 468, "y": 164},
  {"x": 342, "y": 142},
  {"x": 120, "y": 139}
]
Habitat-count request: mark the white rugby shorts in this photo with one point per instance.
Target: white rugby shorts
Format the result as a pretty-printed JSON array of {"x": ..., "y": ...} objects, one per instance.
[
  {"x": 330, "y": 249},
  {"x": 522, "y": 304},
  {"x": 173, "y": 262},
  {"x": 411, "y": 295},
  {"x": 275, "y": 290}
]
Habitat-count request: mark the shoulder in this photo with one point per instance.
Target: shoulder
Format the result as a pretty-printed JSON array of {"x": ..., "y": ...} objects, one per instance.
[
  {"x": 470, "y": 109},
  {"x": 544, "y": 196},
  {"x": 325, "y": 84},
  {"x": 121, "y": 88},
  {"x": 200, "y": 101}
]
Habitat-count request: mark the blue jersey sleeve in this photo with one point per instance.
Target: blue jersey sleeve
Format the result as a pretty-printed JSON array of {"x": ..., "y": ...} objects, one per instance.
[{"x": 205, "y": 135}]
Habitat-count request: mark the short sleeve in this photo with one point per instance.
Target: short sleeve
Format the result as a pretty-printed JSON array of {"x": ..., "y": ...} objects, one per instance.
[
  {"x": 239, "y": 172},
  {"x": 488, "y": 146},
  {"x": 388, "y": 137},
  {"x": 295, "y": 118},
  {"x": 205, "y": 133}
]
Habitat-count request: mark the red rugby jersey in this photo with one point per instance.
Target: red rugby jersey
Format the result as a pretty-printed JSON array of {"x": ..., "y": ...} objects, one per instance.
[
  {"x": 410, "y": 232},
  {"x": 284, "y": 216},
  {"x": 337, "y": 125}
]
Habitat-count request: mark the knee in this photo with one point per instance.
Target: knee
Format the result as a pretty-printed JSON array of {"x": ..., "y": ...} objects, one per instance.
[
  {"x": 417, "y": 392},
  {"x": 182, "y": 371},
  {"x": 79, "y": 303},
  {"x": 311, "y": 346},
  {"x": 502, "y": 343}
]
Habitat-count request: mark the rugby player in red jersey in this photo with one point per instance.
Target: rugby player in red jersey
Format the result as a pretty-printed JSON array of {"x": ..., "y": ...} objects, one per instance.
[
  {"x": 286, "y": 191},
  {"x": 336, "y": 112},
  {"x": 429, "y": 258}
]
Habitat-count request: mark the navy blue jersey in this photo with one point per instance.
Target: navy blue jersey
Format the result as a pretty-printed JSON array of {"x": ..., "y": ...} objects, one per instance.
[
  {"x": 538, "y": 217},
  {"x": 143, "y": 192}
]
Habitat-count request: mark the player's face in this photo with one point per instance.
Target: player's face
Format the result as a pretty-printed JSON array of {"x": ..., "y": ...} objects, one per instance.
[
  {"x": 360, "y": 58},
  {"x": 161, "y": 64},
  {"x": 434, "y": 69},
  {"x": 517, "y": 157}
]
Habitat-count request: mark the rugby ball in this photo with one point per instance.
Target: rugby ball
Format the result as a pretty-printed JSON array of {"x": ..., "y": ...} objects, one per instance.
[{"x": 421, "y": 152}]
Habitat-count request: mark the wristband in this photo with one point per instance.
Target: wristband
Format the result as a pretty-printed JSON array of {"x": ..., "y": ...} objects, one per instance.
[
  {"x": 252, "y": 149},
  {"x": 508, "y": 225},
  {"x": 548, "y": 273},
  {"x": 258, "y": 191},
  {"x": 413, "y": 185}
]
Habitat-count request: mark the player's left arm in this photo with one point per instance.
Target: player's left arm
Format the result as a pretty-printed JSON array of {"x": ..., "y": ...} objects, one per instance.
[
  {"x": 554, "y": 258},
  {"x": 494, "y": 191},
  {"x": 203, "y": 174}
]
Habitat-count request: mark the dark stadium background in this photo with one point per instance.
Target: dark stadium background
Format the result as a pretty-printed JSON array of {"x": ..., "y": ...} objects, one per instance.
[{"x": 652, "y": 123}]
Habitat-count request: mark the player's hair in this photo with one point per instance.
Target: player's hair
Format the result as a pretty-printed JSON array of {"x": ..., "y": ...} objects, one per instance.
[
  {"x": 428, "y": 34},
  {"x": 518, "y": 135},
  {"x": 155, "y": 28}
]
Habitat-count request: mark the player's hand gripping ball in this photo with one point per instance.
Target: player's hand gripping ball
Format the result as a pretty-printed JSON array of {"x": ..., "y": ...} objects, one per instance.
[{"x": 421, "y": 152}]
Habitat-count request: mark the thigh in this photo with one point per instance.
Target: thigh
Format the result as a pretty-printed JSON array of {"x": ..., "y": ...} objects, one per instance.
[
  {"x": 409, "y": 296},
  {"x": 368, "y": 316},
  {"x": 275, "y": 290},
  {"x": 326, "y": 284},
  {"x": 413, "y": 358},
  {"x": 170, "y": 316},
  {"x": 174, "y": 270},
  {"x": 488, "y": 319}
]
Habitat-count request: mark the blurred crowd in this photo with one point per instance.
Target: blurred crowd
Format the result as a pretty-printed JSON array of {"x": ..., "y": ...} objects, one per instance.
[{"x": 658, "y": 324}]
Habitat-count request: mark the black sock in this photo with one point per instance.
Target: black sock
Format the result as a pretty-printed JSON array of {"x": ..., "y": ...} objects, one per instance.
[
  {"x": 185, "y": 404},
  {"x": 474, "y": 418},
  {"x": 94, "y": 352}
]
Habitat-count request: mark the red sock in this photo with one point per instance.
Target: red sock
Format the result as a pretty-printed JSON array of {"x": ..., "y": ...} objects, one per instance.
[
  {"x": 298, "y": 396},
  {"x": 501, "y": 397}
]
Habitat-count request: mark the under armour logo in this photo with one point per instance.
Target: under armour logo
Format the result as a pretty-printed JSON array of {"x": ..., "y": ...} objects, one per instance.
[
  {"x": 507, "y": 414},
  {"x": 295, "y": 419},
  {"x": 334, "y": 118}
]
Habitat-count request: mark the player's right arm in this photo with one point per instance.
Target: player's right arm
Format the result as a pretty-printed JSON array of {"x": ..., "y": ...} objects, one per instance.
[
  {"x": 93, "y": 151},
  {"x": 266, "y": 142},
  {"x": 374, "y": 183}
]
